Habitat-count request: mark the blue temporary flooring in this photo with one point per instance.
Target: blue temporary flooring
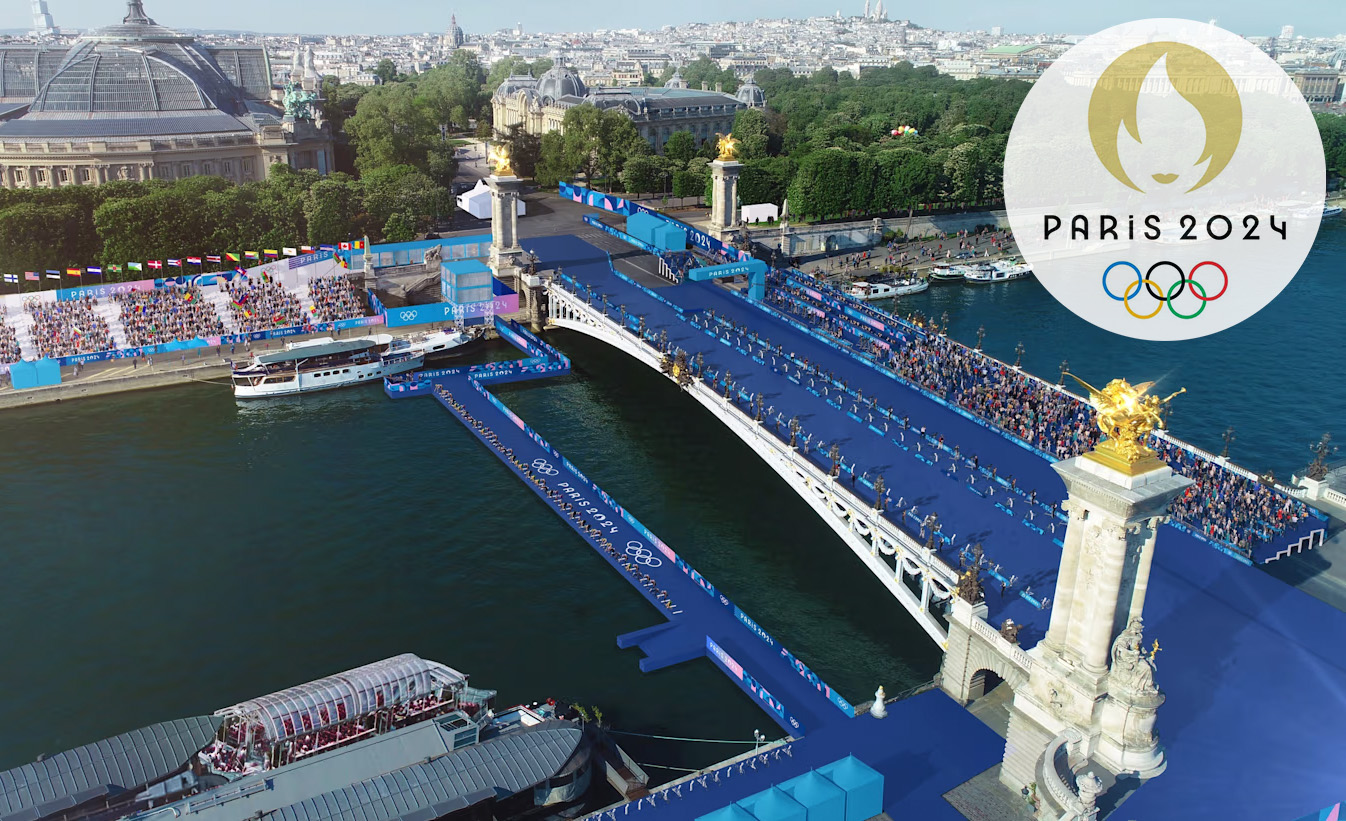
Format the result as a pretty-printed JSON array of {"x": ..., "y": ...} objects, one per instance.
[
  {"x": 701, "y": 621},
  {"x": 1254, "y": 670}
]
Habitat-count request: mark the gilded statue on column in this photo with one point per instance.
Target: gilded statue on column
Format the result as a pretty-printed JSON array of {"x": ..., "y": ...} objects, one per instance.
[
  {"x": 499, "y": 158},
  {"x": 728, "y": 147},
  {"x": 1127, "y": 415}
]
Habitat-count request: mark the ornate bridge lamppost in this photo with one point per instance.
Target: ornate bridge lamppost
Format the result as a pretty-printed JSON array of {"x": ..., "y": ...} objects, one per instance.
[
  {"x": 1065, "y": 366},
  {"x": 834, "y": 453},
  {"x": 794, "y": 431},
  {"x": 878, "y": 494},
  {"x": 1228, "y": 437},
  {"x": 981, "y": 334},
  {"x": 1018, "y": 354},
  {"x": 1317, "y": 469}
]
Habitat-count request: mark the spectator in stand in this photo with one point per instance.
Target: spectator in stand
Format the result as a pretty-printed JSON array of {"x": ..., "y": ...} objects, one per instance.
[
  {"x": 334, "y": 298},
  {"x": 167, "y": 315},
  {"x": 259, "y": 305},
  {"x": 68, "y": 328},
  {"x": 9, "y": 344},
  {"x": 1222, "y": 504}
]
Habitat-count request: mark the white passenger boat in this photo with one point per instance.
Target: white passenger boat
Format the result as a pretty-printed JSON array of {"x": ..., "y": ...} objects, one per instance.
[
  {"x": 952, "y": 273},
  {"x": 887, "y": 289},
  {"x": 1331, "y": 210},
  {"x": 998, "y": 271},
  {"x": 326, "y": 363}
]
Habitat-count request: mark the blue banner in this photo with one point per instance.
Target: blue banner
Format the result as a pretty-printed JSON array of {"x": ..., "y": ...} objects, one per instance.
[{"x": 308, "y": 259}]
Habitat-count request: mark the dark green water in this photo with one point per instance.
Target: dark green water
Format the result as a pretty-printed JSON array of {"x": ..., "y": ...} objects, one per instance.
[
  {"x": 168, "y": 553},
  {"x": 172, "y": 552}
]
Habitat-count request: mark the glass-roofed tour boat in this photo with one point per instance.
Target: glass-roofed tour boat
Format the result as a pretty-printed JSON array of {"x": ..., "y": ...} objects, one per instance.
[{"x": 325, "y": 363}]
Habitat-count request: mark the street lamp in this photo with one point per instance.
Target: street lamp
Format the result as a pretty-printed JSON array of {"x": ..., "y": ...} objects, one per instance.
[
  {"x": 1018, "y": 354},
  {"x": 981, "y": 334},
  {"x": 1228, "y": 437}
]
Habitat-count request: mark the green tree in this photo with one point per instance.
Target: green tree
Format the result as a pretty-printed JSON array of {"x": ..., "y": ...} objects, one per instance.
[
  {"x": 680, "y": 146},
  {"x": 582, "y": 127},
  {"x": 750, "y": 129},
  {"x": 643, "y": 175},
  {"x": 391, "y": 127},
  {"x": 331, "y": 209},
  {"x": 552, "y": 165},
  {"x": 398, "y": 228},
  {"x": 385, "y": 71},
  {"x": 34, "y": 237}
]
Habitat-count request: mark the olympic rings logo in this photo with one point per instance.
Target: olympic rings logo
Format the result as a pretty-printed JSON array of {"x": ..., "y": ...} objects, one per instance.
[
  {"x": 544, "y": 467},
  {"x": 1161, "y": 296},
  {"x": 640, "y": 554},
  {"x": 408, "y": 315}
]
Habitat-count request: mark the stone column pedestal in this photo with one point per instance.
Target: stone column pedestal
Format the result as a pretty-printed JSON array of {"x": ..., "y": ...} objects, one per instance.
[
  {"x": 1090, "y": 672},
  {"x": 505, "y": 250},
  {"x": 724, "y": 196}
]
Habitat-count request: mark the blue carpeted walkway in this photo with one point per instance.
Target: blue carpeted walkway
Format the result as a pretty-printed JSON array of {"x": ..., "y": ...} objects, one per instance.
[{"x": 1254, "y": 670}]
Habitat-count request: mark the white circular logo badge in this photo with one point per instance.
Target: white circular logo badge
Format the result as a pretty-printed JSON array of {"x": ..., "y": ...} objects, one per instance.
[{"x": 1165, "y": 179}]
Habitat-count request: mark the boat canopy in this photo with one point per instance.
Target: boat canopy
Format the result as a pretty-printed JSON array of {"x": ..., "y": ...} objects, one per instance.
[
  {"x": 353, "y": 693},
  {"x": 314, "y": 351}
]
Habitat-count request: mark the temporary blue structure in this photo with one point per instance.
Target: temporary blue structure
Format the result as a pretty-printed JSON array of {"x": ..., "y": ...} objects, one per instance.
[
  {"x": 733, "y": 812},
  {"x": 773, "y": 805},
  {"x": 862, "y": 785},
  {"x": 821, "y": 799}
]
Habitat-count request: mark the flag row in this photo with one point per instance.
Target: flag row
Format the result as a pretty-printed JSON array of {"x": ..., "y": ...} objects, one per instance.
[{"x": 160, "y": 264}]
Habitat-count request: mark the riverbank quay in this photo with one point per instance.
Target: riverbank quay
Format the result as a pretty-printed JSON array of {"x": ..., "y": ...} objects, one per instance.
[
  {"x": 208, "y": 365},
  {"x": 701, "y": 621},
  {"x": 1250, "y": 666}
]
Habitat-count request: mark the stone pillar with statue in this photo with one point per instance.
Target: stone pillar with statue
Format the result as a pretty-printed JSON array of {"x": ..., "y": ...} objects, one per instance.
[
  {"x": 505, "y": 187},
  {"x": 724, "y": 173},
  {"x": 1091, "y": 673}
]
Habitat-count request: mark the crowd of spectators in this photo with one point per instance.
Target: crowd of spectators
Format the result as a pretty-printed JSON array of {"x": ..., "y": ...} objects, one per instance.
[
  {"x": 167, "y": 315},
  {"x": 1226, "y": 505},
  {"x": 334, "y": 298},
  {"x": 68, "y": 328},
  {"x": 259, "y": 305},
  {"x": 1222, "y": 504},
  {"x": 9, "y": 344}
]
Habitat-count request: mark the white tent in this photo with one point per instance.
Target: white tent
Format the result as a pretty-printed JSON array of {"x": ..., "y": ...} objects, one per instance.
[
  {"x": 760, "y": 213},
  {"x": 477, "y": 202}
]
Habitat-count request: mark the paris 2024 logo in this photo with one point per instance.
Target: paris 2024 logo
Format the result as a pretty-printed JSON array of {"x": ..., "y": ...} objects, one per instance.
[{"x": 1165, "y": 179}]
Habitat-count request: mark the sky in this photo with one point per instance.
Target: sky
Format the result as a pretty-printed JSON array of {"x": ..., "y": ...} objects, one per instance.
[{"x": 1246, "y": 17}]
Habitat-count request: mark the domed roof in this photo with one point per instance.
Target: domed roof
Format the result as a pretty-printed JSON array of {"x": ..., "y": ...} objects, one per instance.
[
  {"x": 560, "y": 82},
  {"x": 676, "y": 80},
  {"x": 514, "y": 83},
  {"x": 137, "y": 67},
  {"x": 751, "y": 95}
]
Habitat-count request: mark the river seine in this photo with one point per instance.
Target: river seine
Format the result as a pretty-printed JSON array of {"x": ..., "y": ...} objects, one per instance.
[{"x": 172, "y": 552}]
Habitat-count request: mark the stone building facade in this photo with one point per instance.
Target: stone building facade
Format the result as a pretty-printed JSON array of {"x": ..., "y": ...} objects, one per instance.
[
  {"x": 539, "y": 104},
  {"x": 137, "y": 101}
]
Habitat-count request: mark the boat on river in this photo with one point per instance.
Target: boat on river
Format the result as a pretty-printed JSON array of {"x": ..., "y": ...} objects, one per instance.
[
  {"x": 887, "y": 288},
  {"x": 402, "y": 738},
  {"x": 999, "y": 271},
  {"x": 326, "y": 363}
]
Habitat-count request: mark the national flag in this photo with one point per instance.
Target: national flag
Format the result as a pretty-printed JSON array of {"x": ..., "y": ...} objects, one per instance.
[
  {"x": 213, "y": 258},
  {"x": 95, "y": 270},
  {"x": 31, "y": 275},
  {"x": 134, "y": 266},
  {"x": 271, "y": 252},
  {"x": 358, "y": 245},
  {"x": 155, "y": 264},
  {"x": 241, "y": 271},
  {"x": 308, "y": 249},
  {"x": 327, "y": 247},
  {"x": 193, "y": 260},
  {"x": 345, "y": 246},
  {"x": 14, "y": 278},
  {"x": 53, "y": 274},
  {"x": 234, "y": 257},
  {"x": 74, "y": 272},
  {"x": 251, "y": 255},
  {"x": 114, "y": 269},
  {"x": 290, "y": 252},
  {"x": 175, "y": 263}
]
